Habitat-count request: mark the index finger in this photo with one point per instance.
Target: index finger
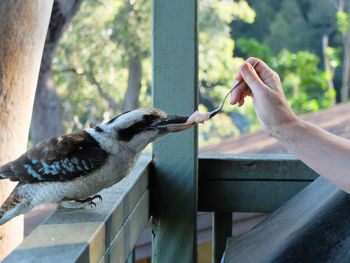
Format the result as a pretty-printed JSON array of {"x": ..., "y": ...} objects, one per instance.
[
  {"x": 262, "y": 69},
  {"x": 252, "y": 61}
]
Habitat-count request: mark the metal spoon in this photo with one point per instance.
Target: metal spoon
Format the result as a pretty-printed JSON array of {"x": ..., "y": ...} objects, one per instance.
[{"x": 216, "y": 111}]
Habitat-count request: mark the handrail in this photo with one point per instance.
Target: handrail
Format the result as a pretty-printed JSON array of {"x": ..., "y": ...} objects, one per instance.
[
  {"x": 105, "y": 233},
  {"x": 108, "y": 233},
  {"x": 249, "y": 182},
  {"x": 246, "y": 183}
]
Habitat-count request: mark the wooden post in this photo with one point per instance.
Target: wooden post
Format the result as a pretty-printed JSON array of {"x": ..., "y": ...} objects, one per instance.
[
  {"x": 222, "y": 229},
  {"x": 23, "y": 27},
  {"x": 174, "y": 187},
  {"x": 131, "y": 258}
]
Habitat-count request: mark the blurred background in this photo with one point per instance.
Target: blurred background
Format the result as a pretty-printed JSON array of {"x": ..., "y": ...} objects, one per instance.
[{"x": 97, "y": 64}]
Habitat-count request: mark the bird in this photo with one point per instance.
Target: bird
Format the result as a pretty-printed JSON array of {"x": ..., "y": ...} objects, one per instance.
[{"x": 74, "y": 167}]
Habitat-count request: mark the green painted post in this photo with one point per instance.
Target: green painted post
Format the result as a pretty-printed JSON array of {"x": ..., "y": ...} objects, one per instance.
[
  {"x": 222, "y": 229},
  {"x": 174, "y": 187},
  {"x": 131, "y": 258}
]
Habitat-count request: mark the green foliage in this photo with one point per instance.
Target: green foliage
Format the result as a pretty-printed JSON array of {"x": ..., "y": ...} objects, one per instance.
[
  {"x": 94, "y": 51},
  {"x": 217, "y": 65},
  {"x": 333, "y": 55},
  {"x": 290, "y": 24},
  {"x": 304, "y": 83},
  {"x": 216, "y": 61},
  {"x": 93, "y": 54},
  {"x": 131, "y": 27},
  {"x": 252, "y": 48},
  {"x": 342, "y": 21},
  {"x": 242, "y": 11}
]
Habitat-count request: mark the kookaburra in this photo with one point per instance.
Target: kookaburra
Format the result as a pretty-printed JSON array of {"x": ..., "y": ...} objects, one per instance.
[{"x": 76, "y": 166}]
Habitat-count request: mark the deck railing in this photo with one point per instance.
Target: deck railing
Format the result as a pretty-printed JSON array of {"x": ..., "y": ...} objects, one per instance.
[
  {"x": 224, "y": 184},
  {"x": 105, "y": 233},
  {"x": 246, "y": 183},
  {"x": 109, "y": 232}
]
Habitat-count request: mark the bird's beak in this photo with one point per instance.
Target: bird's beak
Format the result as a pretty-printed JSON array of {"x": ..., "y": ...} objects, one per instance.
[{"x": 173, "y": 123}]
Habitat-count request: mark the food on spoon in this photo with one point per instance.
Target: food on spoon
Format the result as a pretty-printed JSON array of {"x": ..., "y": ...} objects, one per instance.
[{"x": 198, "y": 117}]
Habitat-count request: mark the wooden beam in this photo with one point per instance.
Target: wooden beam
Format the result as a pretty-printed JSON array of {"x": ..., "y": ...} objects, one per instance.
[
  {"x": 253, "y": 167},
  {"x": 131, "y": 258},
  {"x": 129, "y": 233},
  {"x": 174, "y": 188},
  {"x": 312, "y": 227},
  {"x": 250, "y": 183},
  {"x": 222, "y": 229}
]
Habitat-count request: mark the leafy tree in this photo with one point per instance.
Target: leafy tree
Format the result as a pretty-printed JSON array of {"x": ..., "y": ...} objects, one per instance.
[
  {"x": 304, "y": 83},
  {"x": 217, "y": 64},
  {"x": 46, "y": 121},
  {"x": 98, "y": 54},
  {"x": 95, "y": 57},
  {"x": 96, "y": 66},
  {"x": 296, "y": 25},
  {"x": 131, "y": 32}
]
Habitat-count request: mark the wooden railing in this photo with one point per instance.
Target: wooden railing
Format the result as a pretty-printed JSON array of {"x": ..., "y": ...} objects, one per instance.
[
  {"x": 246, "y": 183},
  {"x": 105, "y": 233},
  {"x": 108, "y": 233}
]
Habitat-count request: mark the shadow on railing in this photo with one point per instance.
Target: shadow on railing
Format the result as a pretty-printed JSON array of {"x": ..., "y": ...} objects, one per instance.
[{"x": 105, "y": 233}]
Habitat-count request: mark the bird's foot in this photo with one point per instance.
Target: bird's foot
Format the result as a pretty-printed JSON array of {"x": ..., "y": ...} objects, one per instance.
[
  {"x": 80, "y": 203},
  {"x": 90, "y": 200}
]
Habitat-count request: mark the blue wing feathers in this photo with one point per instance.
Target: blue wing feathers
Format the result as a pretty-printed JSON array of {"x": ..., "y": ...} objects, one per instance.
[{"x": 57, "y": 159}]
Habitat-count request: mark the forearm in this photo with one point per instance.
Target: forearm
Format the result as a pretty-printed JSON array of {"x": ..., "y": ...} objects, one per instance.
[{"x": 327, "y": 154}]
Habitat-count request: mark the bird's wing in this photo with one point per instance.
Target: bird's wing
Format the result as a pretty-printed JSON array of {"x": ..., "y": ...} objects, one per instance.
[{"x": 62, "y": 158}]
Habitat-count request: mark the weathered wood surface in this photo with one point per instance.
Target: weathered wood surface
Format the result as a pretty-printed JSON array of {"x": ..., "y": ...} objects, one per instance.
[
  {"x": 312, "y": 227},
  {"x": 253, "y": 167},
  {"x": 222, "y": 229},
  {"x": 106, "y": 233},
  {"x": 23, "y": 27},
  {"x": 174, "y": 188},
  {"x": 125, "y": 240},
  {"x": 249, "y": 183}
]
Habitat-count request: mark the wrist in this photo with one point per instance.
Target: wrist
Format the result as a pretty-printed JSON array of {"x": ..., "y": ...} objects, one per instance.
[{"x": 286, "y": 130}]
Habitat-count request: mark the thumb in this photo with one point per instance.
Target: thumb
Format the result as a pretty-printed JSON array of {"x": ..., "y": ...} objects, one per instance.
[{"x": 251, "y": 78}]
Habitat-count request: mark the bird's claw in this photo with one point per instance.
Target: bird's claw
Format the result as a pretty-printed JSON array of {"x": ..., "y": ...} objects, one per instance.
[{"x": 90, "y": 200}]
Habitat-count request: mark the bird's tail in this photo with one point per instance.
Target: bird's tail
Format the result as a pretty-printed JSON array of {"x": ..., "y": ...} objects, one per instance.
[{"x": 14, "y": 205}]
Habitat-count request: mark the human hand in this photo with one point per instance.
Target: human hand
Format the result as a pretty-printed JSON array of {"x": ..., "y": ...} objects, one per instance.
[{"x": 264, "y": 85}]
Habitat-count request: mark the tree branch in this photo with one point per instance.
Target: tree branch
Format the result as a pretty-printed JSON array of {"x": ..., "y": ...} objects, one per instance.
[
  {"x": 112, "y": 103},
  {"x": 91, "y": 78}
]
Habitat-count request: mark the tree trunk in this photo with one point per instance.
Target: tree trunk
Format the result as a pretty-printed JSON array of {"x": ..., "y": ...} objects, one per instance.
[
  {"x": 346, "y": 63},
  {"x": 46, "y": 121},
  {"x": 23, "y": 27},
  {"x": 327, "y": 66},
  {"x": 134, "y": 84}
]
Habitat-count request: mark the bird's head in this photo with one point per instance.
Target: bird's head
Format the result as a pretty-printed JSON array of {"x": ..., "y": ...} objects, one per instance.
[{"x": 139, "y": 127}]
